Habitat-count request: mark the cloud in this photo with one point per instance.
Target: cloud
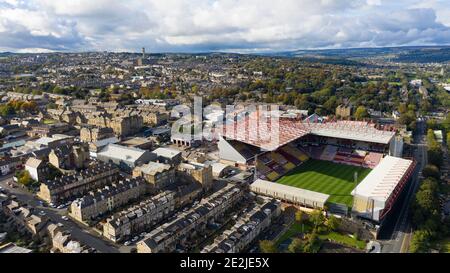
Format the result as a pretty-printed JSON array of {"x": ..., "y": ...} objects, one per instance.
[{"x": 220, "y": 25}]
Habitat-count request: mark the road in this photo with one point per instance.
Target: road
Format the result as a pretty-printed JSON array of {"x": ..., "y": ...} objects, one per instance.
[
  {"x": 400, "y": 237},
  {"x": 83, "y": 234}
]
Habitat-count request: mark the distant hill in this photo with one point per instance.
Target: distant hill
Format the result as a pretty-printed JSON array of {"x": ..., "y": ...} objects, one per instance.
[
  {"x": 419, "y": 54},
  {"x": 6, "y": 54}
]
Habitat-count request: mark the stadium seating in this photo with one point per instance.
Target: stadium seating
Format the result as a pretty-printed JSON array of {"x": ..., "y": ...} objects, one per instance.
[
  {"x": 315, "y": 151},
  {"x": 372, "y": 159},
  {"x": 328, "y": 153},
  {"x": 272, "y": 176},
  {"x": 278, "y": 158},
  {"x": 347, "y": 156},
  {"x": 290, "y": 157},
  {"x": 295, "y": 152},
  {"x": 262, "y": 168}
]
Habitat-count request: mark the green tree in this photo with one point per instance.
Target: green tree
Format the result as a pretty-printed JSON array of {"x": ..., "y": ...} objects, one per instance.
[
  {"x": 313, "y": 243},
  {"x": 361, "y": 113},
  {"x": 299, "y": 216},
  {"x": 267, "y": 246},
  {"x": 420, "y": 242},
  {"x": 425, "y": 207},
  {"x": 431, "y": 171},
  {"x": 448, "y": 140},
  {"x": 25, "y": 178},
  {"x": 317, "y": 218},
  {"x": 296, "y": 246},
  {"x": 333, "y": 223},
  {"x": 435, "y": 156},
  {"x": 7, "y": 110}
]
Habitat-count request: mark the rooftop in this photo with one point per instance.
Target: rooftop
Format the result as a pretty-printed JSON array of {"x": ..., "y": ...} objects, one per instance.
[
  {"x": 127, "y": 154},
  {"x": 267, "y": 134},
  {"x": 166, "y": 152},
  {"x": 153, "y": 168},
  {"x": 383, "y": 179},
  {"x": 288, "y": 190}
]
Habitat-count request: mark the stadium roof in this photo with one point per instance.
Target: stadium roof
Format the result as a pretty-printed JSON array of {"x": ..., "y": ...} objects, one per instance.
[
  {"x": 383, "y": 179},
  {"x": 353, "y": 130},
  {"x": 268, "y": 186},
  {"x": 259, "y": 132},
  {"x": 253, "y": 131}
]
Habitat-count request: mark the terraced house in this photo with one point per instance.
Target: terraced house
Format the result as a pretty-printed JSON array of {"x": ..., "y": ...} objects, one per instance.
[
  {"x": 106, "y": 199},
  {"x": 247, "y": 228},
  {"x": 186, "y": 224},
  {"x": 139, "y": 217},
  {"x": 70, "y": 186}
]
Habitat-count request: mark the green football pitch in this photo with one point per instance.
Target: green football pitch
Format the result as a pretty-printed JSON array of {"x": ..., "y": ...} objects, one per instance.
[{"x": 327, "y": 177}]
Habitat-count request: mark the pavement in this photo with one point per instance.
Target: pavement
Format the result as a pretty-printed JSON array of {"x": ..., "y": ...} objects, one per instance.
[
  {"x": 401, "y": 234},
  {"x": 81, "y": 233}
]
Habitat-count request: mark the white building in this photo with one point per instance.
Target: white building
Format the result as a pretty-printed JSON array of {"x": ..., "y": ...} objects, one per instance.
[
  {"x": 375, "y": 196},
  {"x": 34, "y": 167}
]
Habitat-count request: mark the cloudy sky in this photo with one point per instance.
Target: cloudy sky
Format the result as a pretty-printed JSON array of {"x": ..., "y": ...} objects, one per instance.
[{"x": 219, "y": 25}]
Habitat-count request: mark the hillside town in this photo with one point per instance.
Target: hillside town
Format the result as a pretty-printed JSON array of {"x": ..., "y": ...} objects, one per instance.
[{"x": 90, "y": 160}]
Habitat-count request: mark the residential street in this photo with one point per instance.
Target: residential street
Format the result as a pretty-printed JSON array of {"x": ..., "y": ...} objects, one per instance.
[
  {"x": 400, "y": 236},
  {"x": 81, "y": 234}
]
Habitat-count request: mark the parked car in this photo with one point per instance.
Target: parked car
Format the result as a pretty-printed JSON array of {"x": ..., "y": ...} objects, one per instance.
[
  {"x": 65, "y": 218},
  {"x": 127, "y": 243},
  {"x": 41, "y": 213}
]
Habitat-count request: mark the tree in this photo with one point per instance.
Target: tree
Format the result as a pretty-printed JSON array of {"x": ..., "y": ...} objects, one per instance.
[
  {"x": 267, "y": 246},
  {"x": 317, "y": 218},
  {"x": 448, "y": 140},
  {"x": 431, "y": 171},
  {"x": 313, "y": 243},
  {"x": 436, "y": 156},
  {"x": 420, "y": 242},
  {"x": 296, "y": 246},
  {"x": 361, "y": 113},
  {"x": 7, "y": 110},
  {"x": 425, "y": 207},
  {"x": 298, "y": 216},
  {"x": 333, "y": 223},
  {"x": 24, "y": 178}
]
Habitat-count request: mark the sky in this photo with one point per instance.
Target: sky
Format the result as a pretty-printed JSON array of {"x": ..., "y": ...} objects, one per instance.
[{"x": 244, "y": 26}]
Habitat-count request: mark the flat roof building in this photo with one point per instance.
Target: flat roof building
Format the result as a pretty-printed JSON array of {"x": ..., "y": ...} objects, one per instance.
[{"x": 125, "y": 157}]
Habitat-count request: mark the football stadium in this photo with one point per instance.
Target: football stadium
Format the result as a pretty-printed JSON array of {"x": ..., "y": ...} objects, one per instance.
[{"x": 338, "y": 165}]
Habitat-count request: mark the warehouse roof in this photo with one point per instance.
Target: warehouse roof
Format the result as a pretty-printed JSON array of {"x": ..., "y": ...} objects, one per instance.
[
  {"x": 166, "y": 152},
  {"x": 123, "y": 153}
]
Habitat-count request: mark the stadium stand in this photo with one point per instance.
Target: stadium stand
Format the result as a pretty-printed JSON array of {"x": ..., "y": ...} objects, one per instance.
[
  {"x": 372, "y": 160},
  {"x": 328, "y": 153}
]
